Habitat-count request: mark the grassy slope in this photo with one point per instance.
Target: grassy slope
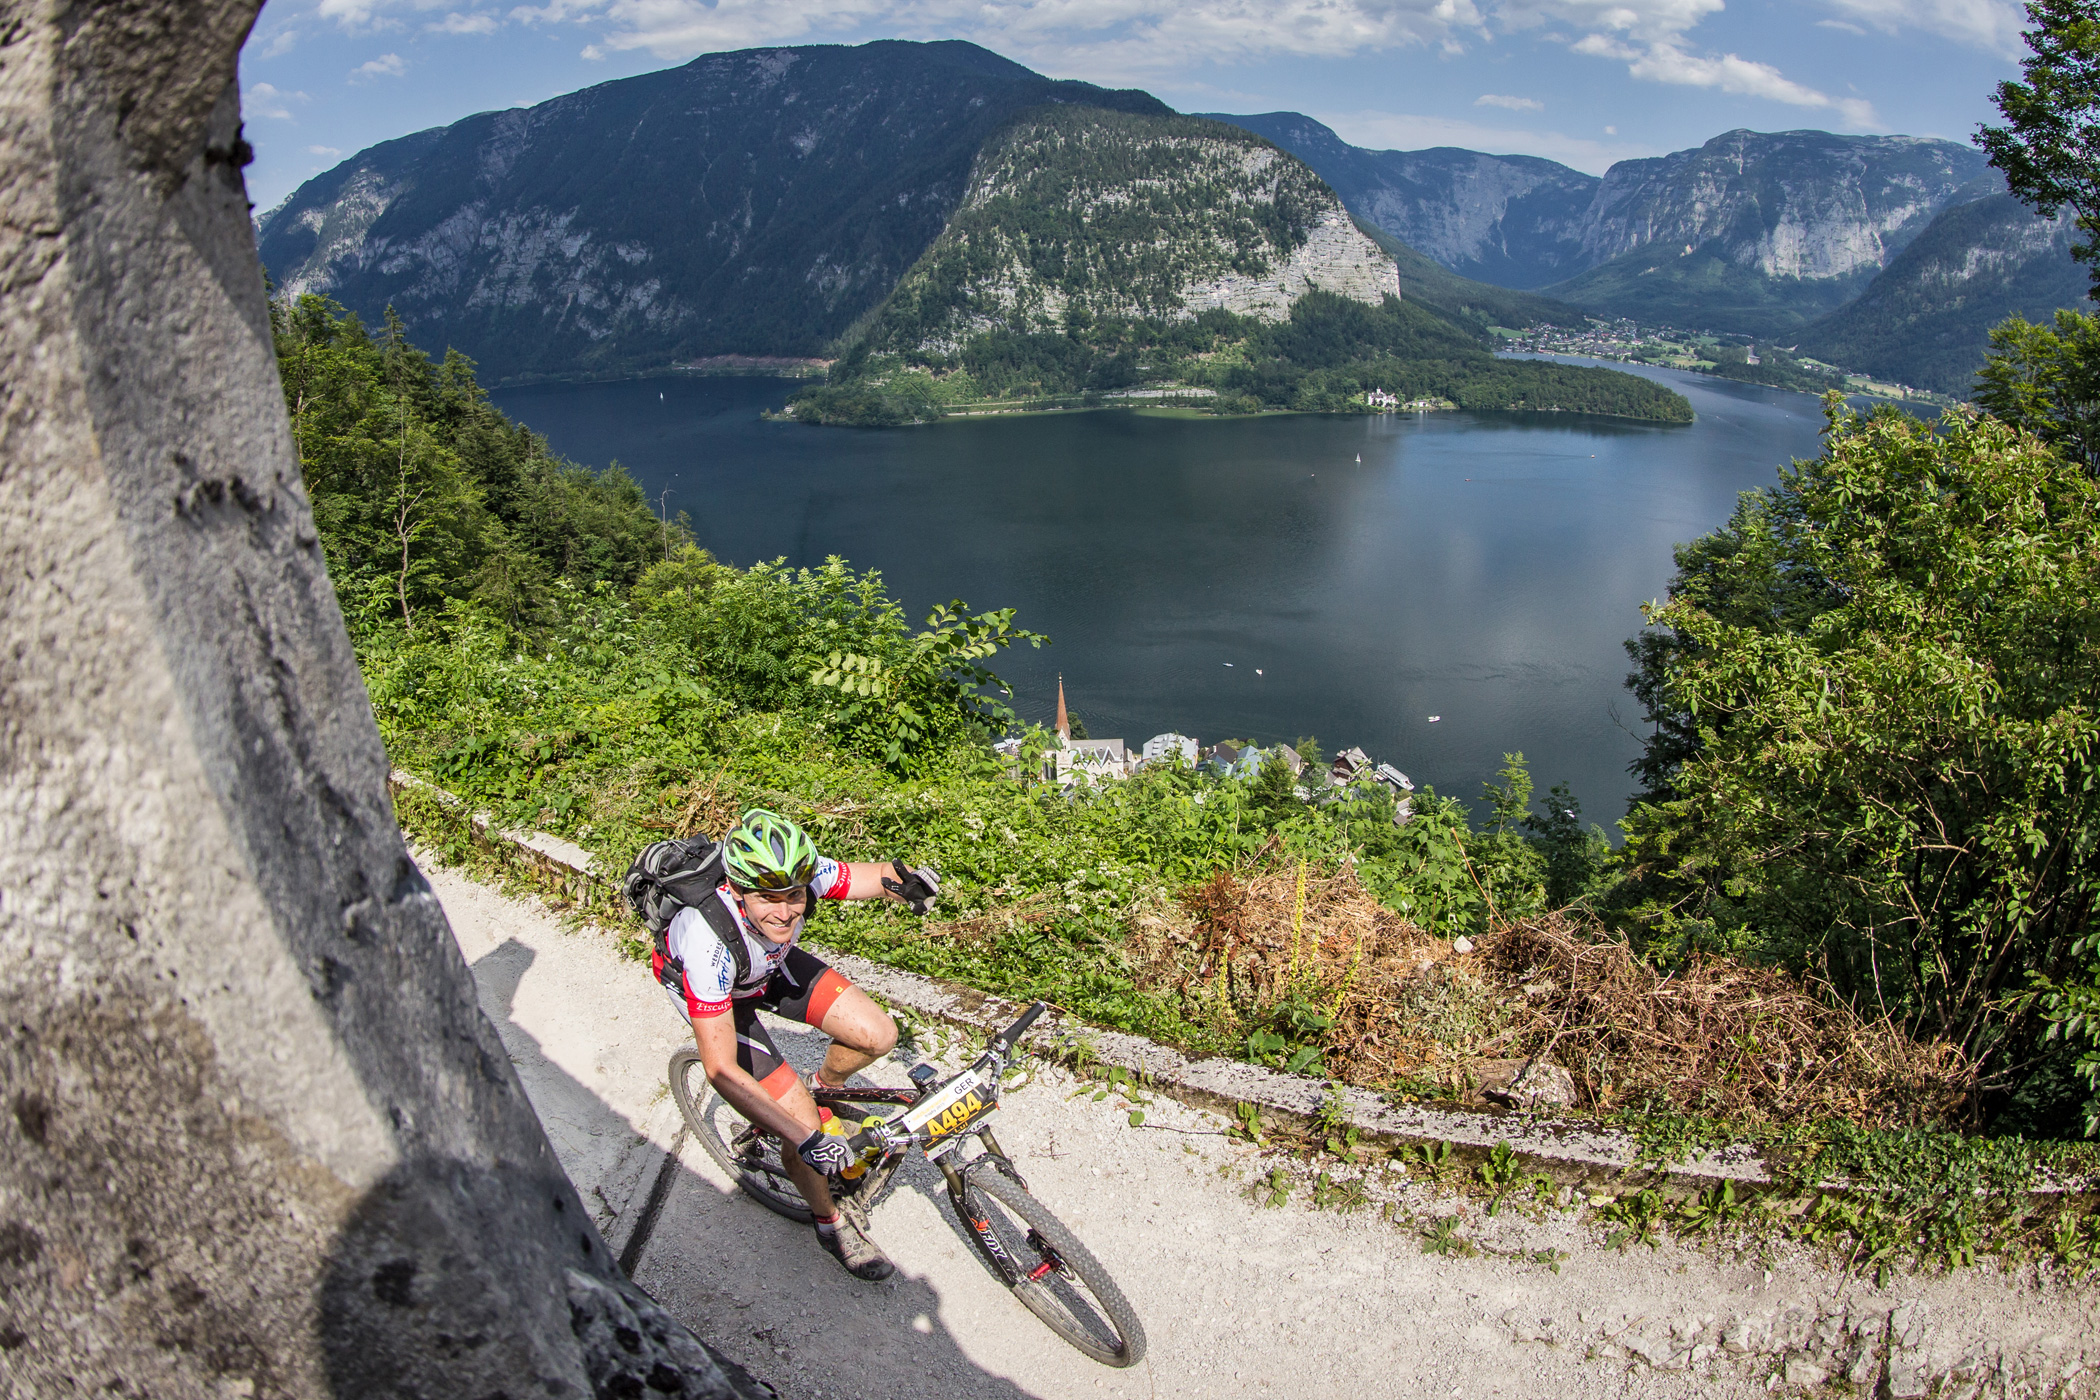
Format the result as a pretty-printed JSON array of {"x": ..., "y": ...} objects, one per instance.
[
  {"x": 1464, "y": 301},
  {"x": 1703, "y": 290}
]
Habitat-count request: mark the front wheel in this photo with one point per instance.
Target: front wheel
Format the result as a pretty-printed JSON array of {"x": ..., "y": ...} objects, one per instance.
[
  {"x": 1055, "y": 1276},
  {"x": 751, "y": 1157}
]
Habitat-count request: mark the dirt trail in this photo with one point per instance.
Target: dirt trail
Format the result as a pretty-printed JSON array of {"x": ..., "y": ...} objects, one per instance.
[{"x": 1239, "y": 1297}]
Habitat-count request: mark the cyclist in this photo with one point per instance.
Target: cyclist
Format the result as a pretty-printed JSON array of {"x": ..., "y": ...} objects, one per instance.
[{"x": 775, "y": 878}]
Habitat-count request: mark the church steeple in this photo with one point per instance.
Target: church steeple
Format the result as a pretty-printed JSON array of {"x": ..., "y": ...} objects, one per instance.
[{"x": 1064, "y": 721}]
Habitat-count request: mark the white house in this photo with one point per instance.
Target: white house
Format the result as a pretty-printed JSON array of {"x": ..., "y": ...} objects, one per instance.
[
  {"x": 1380, "y": 399},
  {"x": 1160, "y": 745},
  {"x": 1095, "y": 758}
]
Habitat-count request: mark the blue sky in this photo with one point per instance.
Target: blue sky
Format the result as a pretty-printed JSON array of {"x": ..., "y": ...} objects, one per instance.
[{"x": 1586, "y": 82}]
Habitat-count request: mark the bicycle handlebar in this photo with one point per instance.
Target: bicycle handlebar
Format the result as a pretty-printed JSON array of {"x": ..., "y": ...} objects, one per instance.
[{"x": 1011, "y": 1036}]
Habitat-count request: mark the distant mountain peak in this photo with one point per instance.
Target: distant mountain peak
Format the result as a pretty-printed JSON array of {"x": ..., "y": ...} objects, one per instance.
[
  {"x": 752, "y": 202},
  {"x": 1097, "y": 213}
]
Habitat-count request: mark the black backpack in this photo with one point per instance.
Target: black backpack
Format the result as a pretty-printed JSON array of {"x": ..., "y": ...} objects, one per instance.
[{"x": 682, "y": 874}]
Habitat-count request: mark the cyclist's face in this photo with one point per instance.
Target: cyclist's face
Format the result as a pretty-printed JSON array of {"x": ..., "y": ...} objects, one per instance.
[{"x": 773, "y": 912}]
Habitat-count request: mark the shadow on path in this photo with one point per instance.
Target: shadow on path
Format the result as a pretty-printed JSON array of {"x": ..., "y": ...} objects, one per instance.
[{"x": 751, "y": 1283}]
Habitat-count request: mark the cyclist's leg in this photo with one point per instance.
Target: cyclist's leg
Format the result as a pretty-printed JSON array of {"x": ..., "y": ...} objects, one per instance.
[
  {"x": 761, "y": 1059},
  {"x": 810, "y": 991}
]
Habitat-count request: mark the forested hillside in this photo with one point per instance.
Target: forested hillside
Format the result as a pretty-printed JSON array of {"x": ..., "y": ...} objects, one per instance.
[
  {"x": 1322, "y": 360},
  {"x": 1426, "y": 282},
  {"x": 1927, "y": 319},
  {"x": 428, "y": 499}
]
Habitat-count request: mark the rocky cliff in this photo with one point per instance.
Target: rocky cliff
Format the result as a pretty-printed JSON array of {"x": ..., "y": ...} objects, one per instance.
[
  {"x": 752, "y": 203},
  {"x": 1799, "y": 204},
  {"x": 1082, "y": 213},
  {"x": 1756, "y": 232},
  {"x": 1761, "y": 233},
  {"x": 260, "y": 1139},
  {"x": 1514, "y": 221}
]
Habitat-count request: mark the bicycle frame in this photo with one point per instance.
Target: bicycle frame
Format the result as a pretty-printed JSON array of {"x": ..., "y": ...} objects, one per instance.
[{"x": 892, "y": 1140}]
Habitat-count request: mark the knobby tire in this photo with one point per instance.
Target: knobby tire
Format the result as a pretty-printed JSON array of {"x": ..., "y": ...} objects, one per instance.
[
  {"x": 1107, "y": 1329},
  {"x": 708, "y": 1117}
]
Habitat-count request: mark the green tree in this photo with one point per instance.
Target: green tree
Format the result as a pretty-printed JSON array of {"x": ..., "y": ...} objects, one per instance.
[
  {"x": 1577, "y": 858},
  {"x": 1507, "y": 865},
  {"x": 2047, "y": 147},
  {"x": 1274, "y": 792},
  {"x": 2047, "y": 380},
  {"x": 1897, "y": 783}
]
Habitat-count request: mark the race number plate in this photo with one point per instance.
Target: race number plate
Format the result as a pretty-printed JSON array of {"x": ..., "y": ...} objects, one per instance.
[{"x": 944, "y": 1116}]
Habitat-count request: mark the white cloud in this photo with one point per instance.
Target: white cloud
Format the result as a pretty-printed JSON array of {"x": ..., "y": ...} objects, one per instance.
[
  {"x": 279, "y": 43},
  {"x": 1667, "y": 63},
  {"x": 478, "y": 22},
  {"x": 1842, "y": 26},
  {"x": 1104, "y": 40},
  {"x": 263, "y": 100},
  {"x": 1651, "y": 37},
  {"x": 1647, "y": 21},
  {"x": 329, "y": 151},
  {"x": 1514, "y": 104},
  {"x": 1409, "y": 132},
  {"x": 1146, "y": 41},
  {"x": 387, "y": 65},
  {"x": 1990, "y": 25}
]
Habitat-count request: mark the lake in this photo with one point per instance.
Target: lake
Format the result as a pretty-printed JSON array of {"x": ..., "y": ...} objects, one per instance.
[{"x": 1265, "y": 578}]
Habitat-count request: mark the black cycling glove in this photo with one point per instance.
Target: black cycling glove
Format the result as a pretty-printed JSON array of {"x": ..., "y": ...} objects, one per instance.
[
  {"x": 827, "y": 1152},
  {"x": 915, "y": 887}
]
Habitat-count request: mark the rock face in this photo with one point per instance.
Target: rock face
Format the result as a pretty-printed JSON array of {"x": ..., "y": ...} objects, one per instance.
[
  {"x": 1785, "y": 204},
  {"x": 1515, "y": 221},
  {"x": 1085, "y": 212},
  {"x": 257, "y": 1138},
  {"x": 1752, "y": 232},
  {"x": 746, "y": 203}
]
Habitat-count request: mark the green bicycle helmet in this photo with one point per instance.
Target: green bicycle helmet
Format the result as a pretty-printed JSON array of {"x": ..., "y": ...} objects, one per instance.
[{"x": 769, "y": 852}]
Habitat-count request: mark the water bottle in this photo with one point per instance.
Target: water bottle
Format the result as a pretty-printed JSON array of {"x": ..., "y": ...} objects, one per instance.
[{"x": 837, "y": 1127}]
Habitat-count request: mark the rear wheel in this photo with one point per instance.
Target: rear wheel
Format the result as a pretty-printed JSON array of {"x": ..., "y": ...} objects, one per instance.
[
  {"x": 1055, "y": 1276},
  {"x": 749, "y": 1155}
]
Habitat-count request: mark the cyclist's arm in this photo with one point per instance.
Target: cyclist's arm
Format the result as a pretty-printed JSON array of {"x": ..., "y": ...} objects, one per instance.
[
  {"x": 716, "y": 1036},
  {"x": 865, "y": 880}
]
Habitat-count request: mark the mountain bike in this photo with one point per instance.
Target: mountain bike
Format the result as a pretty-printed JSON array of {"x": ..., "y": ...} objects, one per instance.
[{"x": 1028, "y": 1249}]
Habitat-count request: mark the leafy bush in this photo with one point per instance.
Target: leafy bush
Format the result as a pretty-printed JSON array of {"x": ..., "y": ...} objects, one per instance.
[{"x": 1876, "y": 745}]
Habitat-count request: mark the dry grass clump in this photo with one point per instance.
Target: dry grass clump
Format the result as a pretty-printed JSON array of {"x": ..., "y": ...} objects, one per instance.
[
  {"x": 1310, "y": 954},
  {"x": 698, "y": 808},
  {"x": 1033, "y": 911},
  {"x": 1717, "y": 1036},
  {"x": 1281, "y": 949}
]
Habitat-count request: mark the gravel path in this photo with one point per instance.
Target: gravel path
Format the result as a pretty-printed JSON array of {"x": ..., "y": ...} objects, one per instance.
[{"x": 1238, "y": 1296}]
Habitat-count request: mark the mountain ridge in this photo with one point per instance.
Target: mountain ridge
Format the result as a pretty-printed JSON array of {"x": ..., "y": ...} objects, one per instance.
[
  {"x": 1781, "y": 227},
  {"x": 657, "y": 219},
  {"x": 1495, "y": 219}
]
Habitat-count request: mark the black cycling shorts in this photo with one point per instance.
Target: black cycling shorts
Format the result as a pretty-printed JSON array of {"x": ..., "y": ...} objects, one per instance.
[{"x": 802, "y": 990}]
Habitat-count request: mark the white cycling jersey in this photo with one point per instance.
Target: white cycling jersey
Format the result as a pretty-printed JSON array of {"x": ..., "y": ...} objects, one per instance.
[{"x": 710, "y": 970}]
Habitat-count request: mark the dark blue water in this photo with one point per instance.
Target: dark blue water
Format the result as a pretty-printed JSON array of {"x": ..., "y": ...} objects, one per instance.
[{"x": 1481, "y": 568}]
